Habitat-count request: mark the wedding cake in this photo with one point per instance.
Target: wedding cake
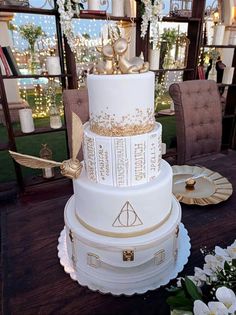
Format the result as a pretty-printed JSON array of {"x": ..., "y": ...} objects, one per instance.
[{"x": 122, "y": 223}]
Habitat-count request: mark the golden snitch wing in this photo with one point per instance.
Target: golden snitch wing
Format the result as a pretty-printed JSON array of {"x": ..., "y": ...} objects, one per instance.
[
  {"x": 77, "y": 135},
  {"x": 32, "y": 161}
]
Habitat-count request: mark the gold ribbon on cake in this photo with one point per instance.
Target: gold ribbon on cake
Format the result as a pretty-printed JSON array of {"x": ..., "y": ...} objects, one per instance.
[
  {"x": 70, "y": 168},
  {"x": 114, "y": 59}
]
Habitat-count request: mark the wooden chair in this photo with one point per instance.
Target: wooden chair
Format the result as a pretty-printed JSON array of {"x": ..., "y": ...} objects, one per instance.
[
  {"x": 198, "y": 113},
  {"x": 75, "y": 101}
]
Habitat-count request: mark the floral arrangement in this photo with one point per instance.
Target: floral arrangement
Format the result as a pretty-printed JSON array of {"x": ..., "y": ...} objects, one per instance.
[
  {"x": 151, "y": 14},
  {"x": 211, "y": 290},
  {"x": 31, "y": 33}
]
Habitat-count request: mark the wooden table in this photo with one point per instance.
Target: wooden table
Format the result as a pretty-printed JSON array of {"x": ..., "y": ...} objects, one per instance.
[{"x": 33, "y": 280}]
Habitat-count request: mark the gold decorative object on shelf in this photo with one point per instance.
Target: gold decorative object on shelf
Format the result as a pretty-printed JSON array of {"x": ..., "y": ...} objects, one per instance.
[
  {"x": 70, "y": 168},
  {"x": 114, "y": 59},
  {"x": 199, "y": 185},
  {"x": 46, "y": 154}
]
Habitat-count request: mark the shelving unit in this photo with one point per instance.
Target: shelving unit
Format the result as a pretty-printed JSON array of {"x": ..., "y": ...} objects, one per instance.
[
  {"x": 64, "y": 77},
  {"x": 69, "y": 78}
]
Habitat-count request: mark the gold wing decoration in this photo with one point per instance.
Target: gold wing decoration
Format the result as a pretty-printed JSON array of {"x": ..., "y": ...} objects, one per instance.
[
  {"x": 33, "y": 161},
  {"x": 70, "y": 168},
  {"x": 77, "y": 135}
]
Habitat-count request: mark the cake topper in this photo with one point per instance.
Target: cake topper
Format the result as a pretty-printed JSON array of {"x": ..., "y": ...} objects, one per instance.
[
  {"x": 114, "y": 59},
  {"x": 70, "y": 168}
]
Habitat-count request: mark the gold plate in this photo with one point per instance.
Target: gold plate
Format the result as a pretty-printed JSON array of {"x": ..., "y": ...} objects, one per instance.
[{"x": 210, "y": 187}]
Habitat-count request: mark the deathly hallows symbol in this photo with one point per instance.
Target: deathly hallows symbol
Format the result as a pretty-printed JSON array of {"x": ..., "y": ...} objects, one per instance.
[{"x": 127, "y": 217}]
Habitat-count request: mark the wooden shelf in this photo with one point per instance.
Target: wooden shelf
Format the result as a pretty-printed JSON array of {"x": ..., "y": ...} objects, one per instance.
[
  {"x": 4, "y": 146},
  {"x": 180, "y": 19},
  {"x": 40, "y": 130},
  {"x": 37, "y": 179},
  {"x": 219, "y": 46},
  {"x": 165, "y": 70},
  {"x": 35, "y": 76},
  {"x": 25, "y": 9},
  {"x": 87, "y": 16},
  {"x": 225, "y": 85}
]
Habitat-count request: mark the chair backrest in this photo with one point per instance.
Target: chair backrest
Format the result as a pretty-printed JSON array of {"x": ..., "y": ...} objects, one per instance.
[
  {"x": 75, "y": 101},
  {"x": 198, "y": 118}
]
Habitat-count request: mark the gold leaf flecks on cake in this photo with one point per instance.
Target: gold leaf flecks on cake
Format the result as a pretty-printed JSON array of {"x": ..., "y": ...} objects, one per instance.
[{"x": 128, "y": 125}]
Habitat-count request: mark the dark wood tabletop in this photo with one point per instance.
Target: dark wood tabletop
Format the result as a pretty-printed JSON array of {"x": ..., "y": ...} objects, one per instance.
[{"x": 33, "y": 280}]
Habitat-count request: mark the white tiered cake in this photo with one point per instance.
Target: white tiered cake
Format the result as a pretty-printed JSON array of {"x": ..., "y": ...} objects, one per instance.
[{"x": 122, "y": 224}]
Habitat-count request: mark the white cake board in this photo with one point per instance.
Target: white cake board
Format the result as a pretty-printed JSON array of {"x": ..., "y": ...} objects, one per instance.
[{"x": 140, "y": 287}]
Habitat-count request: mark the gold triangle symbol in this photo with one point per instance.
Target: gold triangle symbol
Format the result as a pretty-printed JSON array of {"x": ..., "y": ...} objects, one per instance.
[{"x": 127, "y": 217}]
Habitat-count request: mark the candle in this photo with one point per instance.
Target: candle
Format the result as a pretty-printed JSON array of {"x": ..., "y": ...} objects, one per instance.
[
  {"x": 226, "y": 37},
  {"x": 218, "y": 37},
  {"x": 232, "y": 38},
  {"x": 118, "y": 8},
  {"x": 26, "y": 120},
  {"x": 154, "y": 59},
  {"x": 93, "y": 4},
  {"x": 48, "y": 172},
  {"x": 53, "y": 65},
  {"x": 55, "y": 122},
  {"x": 228, "y": 75},
  {"x": 130, "y": 8},
  {"x": 163, "y": 148}
]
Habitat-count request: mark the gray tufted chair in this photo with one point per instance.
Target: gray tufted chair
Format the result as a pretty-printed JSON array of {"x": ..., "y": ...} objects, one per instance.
[
  {"x": 198, "y": 119},
  {"x": 75, "y": 101}
]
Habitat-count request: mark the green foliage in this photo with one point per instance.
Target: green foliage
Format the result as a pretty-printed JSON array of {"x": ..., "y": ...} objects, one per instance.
[
  {"x": 169, "y": 35},
  {"x": 183, "y": 298},
  {"x": 31, "y": 33}
]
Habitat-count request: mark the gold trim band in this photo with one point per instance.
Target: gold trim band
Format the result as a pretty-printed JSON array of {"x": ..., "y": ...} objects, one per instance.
[
  {"x": 122, "y": 235},
  {"x": 119, "y": 131}
]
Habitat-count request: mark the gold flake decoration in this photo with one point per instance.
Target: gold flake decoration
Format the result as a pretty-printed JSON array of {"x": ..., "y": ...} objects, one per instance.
[
  {"x": 210, "y": 187},
  {"x": 159, "y": 257},
  {"x": 130, "y": 125},
  {"x": 70, "y": 168},
  {"x": 127, "y": 217},
  {"x": 128, "y": 255}
]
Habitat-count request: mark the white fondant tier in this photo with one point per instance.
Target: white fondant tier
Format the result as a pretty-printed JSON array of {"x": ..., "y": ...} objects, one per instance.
[
  {"x": 121, "y": 105},
  {"x": 122, "y": 161},
  {"x": 124, "y": 212},
  {"x": 118, "y": 265}
]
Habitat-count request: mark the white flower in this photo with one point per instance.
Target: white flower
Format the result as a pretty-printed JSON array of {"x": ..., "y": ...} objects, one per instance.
[
  {"x": 213, "y": 308},
  {"x": 179, "y": 284},
  {"x": 151, "y": 14},
  {"x": 231, "y": 250},
  {"x": 200, "y": 275},
  {"x": 227, "y": 297},
  {"x": 213, "y": 263}
]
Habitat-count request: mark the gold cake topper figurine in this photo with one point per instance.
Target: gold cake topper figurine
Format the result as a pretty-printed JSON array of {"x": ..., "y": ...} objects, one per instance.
[
  {"x": 70, "y": 168},
  {"x": 114, "y": 59}
]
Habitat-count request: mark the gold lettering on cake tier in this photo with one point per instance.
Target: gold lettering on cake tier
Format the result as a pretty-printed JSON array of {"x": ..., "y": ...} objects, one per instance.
[
  {"x": 90, "y": 165},
  {"x": 159, "y": 257},
  {"x": 153, "y": 157},
  {"x": 127, "y": 217},
  {"x": 103, "y": 162},
  {"x": 139, "y": 161},
  {"x": 120, "y": 162}
]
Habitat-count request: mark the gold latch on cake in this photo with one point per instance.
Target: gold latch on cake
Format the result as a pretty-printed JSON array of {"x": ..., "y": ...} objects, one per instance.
[
  {"x": 159, "y": 257},
  {"x": 128, "y": 255},
  {"x": 93, "y": 260}
]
